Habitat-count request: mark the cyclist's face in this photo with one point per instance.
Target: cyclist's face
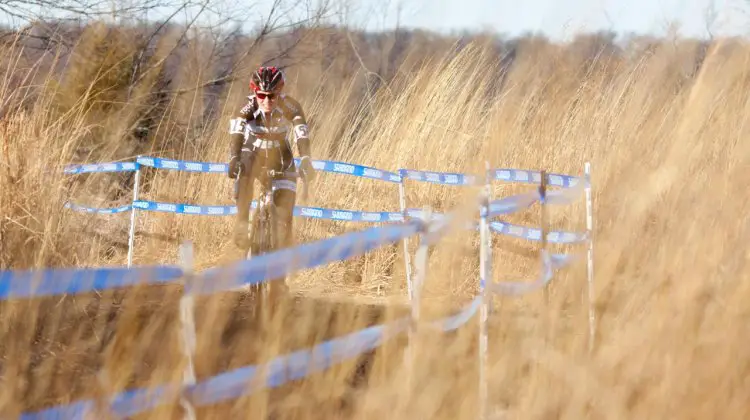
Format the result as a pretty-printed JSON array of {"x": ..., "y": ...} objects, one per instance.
[{"x": 266, "y": 101}]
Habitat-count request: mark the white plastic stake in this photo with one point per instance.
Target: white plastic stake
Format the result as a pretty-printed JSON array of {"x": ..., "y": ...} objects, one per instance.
[
  {"x": 131, "y": 234},
  {"x": 420, "y": 278},
  {"x": 484, "y": 276},
  {"x": 187, "y": 319},
  {"x": 407, "y": 256},
  {"x": 421, "y": 265},
  {"x": 544, "y": 229},
  {"x": 590, "y": 254},
  {"x": 409, "y": 286}
]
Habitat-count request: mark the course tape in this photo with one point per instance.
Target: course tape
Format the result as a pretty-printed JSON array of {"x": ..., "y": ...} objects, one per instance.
[
  {"x": 444, "y": 178},
  {"x": 101, "y": 167},
  {"x": 510, "y": 204},
  {"x": 300, "y": 211},
  {"x": 499, "y": 207},
  {"x": 508, "y": 175},
  {"x": 454, "y": 322},
  {"x": 565, "y": 196},
  {"x": 282, "y": 369},
  {"x": 438, "y": 228},
  {"x": 509, "y": 229},
  {"x": 182, "y": 165},
  {"x": 440, "y": 224},
  {"x": 534, "y": 177},
  {"x": 534, "y": 234},
  {"x": 242, "y": 381},
  {"x": 307, "y": 255},
  {"x": 187, "y": 208},
  {"x": 302, "y": 363},
  {"x": 38, "y": 283},
  {"x": 320, "y": 165},
  {"x": 551, "y": 262},
  {"x": 237, "y": 382},
  {"x": 348, "y": 215},
  {"x": 354, "y": 170},
  {"x": 115, "y": 210},
  {"x": 254, "y": 271},
  {"x": 499, "y": 227},
  {"x": 293, "y": 366}
]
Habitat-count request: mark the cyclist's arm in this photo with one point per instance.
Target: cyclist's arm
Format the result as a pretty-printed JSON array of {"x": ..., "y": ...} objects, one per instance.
[
  {"x": 296, "y": 115},
  {"x": 237, "y": 127}
]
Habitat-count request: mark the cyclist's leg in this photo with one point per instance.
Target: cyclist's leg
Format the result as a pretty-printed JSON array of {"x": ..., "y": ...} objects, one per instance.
[
  {"x": 243, "y": 197},
  {"x": 283, "y": 198}
]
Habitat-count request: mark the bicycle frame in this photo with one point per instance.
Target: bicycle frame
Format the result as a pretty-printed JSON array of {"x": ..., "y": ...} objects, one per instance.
[
  {"x": 262, "y": 217},
  {"x": 265, "y": 236}
]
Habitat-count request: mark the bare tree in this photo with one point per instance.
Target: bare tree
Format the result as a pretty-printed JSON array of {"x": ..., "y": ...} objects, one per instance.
[
  {"x": 281, "y": 19},
  {"x": 25, "y": 11},
  {"x": 236, "y": 29},
  {"x": 222, "y": 40}
]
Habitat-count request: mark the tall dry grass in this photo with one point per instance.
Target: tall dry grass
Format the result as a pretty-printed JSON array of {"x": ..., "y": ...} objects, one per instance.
[{"x": 670, "y": 171}]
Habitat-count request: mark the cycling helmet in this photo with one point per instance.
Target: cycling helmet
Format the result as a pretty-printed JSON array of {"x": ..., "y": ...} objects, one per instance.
[{"x": 267, "y": 79}]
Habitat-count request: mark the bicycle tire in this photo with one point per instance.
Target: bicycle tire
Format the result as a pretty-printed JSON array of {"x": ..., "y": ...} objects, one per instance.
[
  {"x": 257, "y": 233},
  {"x": 263, "y": 229},
  {"x": 264, "y": 239}
]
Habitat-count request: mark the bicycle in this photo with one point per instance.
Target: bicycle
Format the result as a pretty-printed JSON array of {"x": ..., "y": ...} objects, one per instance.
[{"x": 264, "y": 236}]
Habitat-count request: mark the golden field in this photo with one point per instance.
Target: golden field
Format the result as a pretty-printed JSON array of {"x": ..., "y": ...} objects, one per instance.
[{"x": 663, "y": 132}]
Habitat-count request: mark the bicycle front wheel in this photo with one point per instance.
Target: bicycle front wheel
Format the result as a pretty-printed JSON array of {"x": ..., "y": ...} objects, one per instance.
[{"x": 262, "y": 236}]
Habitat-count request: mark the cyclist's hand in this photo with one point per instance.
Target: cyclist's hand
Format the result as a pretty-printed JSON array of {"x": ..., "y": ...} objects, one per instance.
[
  {"x": 306, "y": 169},
  {"x": 235, "y": 166}
]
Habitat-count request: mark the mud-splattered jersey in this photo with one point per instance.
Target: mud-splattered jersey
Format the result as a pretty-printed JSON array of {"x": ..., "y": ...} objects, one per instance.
[{"x": 268, "y": 131}]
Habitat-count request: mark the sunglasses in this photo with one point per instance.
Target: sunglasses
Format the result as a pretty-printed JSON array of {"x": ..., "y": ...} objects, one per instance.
[{"x": 261, "y": 96}]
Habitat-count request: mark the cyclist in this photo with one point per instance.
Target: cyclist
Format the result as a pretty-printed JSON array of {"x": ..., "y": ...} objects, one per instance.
[{"x": 260, "y": 142}]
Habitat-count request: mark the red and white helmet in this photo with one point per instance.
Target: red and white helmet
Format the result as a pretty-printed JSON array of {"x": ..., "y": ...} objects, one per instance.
[{"x": 268, "y": 80}]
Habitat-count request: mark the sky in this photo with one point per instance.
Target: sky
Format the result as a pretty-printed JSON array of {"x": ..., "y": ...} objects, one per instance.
[{"x": 559, "y": 19}]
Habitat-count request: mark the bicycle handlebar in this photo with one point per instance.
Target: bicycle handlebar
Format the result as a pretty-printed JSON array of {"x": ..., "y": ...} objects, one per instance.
[
  {"x": 292, "y": 174},
  {"x": 274, "y": 173}
]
